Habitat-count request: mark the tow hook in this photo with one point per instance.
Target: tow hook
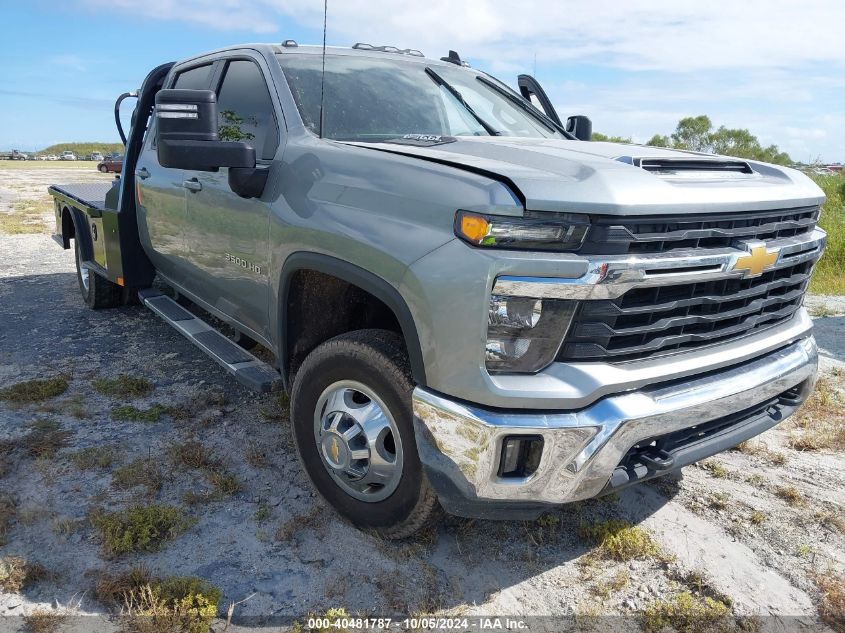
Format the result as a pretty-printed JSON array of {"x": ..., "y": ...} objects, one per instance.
[{"x": 656, "y": 460}]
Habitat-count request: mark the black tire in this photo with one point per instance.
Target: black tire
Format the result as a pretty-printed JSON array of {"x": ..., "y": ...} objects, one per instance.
[
  {"x": 377, "y": 359},
  {"x": 103, "y": 169},
  {"x": 99, "y": 292}
]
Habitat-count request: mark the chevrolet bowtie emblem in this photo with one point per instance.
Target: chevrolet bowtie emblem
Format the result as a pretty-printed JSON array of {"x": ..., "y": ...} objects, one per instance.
[
  {"x": 335, "y": 450},
  {"x": 758, "y": 260}
]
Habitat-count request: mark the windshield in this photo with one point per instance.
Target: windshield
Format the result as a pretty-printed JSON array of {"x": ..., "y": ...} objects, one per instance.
[{"x": 373, "y": 99}]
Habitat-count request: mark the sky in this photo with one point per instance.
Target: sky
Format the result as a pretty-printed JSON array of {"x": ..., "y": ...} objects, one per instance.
[{"x": 634, "y": 67}]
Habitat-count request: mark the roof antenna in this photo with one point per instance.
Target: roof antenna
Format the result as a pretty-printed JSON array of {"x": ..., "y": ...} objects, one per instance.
[{"x": 323, "y": 75}]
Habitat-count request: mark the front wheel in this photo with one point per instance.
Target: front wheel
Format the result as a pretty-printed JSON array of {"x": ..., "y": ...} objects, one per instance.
[
  {"x": 103, "y": 169},
  {"x": 97, "y": 292},
  {"x": 353, "y": 424}
]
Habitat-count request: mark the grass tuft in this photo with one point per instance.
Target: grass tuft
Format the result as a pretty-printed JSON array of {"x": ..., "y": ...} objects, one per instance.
[
  {"x": 832, "y": 607},
  {"x": 111, "y": 588},
  {"x": 719, "y": 500},
  {"x": 790, "y": 494},
  {"x": 8, "y": 513},
  {"x": 178, "y": 604},
  {"x": 26, "y": 217},
  {"x": 44, "y": 621},
  {"x": 140, "y": 472},
  {"x": 820, "y": 423},
  {"x": 17, "y": 573},
  {"x": 45, "y": 439},
  {"x": 686, "y": 613},
  {"x": 139, "y": 528},
  {"x": 278, "y": 409},
  {"x": 256, "y": 456},
  {"x": 619, "y": 581},
  {"x": 197, "y": 456},
  {"x": 827, "y": 276},
  {"x": 831, "y": 520},
  {"x": 715, "y": 468},
  {"x": 73, "y": 406},
  {"x": 93, "y": 457},
  {"x": 192, "y": 454},
  {"x": 123, "y": 386},
  {"x": 36, "y": 390},
  {"x": 129, "y": 413},
  {"x": 287, "y": 530},
  {"x": 620, "y": 541}
]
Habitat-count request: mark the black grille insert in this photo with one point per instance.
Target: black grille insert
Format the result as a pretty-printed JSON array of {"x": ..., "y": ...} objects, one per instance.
[
  {"x": 609, "y": 235},
  {"x": 651, "y": 321}
]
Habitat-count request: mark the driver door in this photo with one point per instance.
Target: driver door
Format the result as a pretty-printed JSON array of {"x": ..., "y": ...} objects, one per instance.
[{"x": 227, "y": 236}]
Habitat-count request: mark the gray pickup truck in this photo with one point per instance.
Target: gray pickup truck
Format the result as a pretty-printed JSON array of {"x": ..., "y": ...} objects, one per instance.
[{"x": 471, "y": 305}]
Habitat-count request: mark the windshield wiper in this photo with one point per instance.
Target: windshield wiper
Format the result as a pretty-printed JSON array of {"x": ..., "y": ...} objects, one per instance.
[
  {"x": 454, "y": 92},
  {"x": 528, "y": 107}
]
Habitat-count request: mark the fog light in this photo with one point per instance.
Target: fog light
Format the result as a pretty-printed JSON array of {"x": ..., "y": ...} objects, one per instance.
[
  {"x": 520, "y": 456},
  {"x": 525, "y": 334}
]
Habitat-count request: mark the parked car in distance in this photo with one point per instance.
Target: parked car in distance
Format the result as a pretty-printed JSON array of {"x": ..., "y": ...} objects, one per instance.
[
  {"x": 111, "y": 164},
  {"x": 96, "y": 156},
  {"x": 16, "y": 155},
  {"x": 68, "y": 155},
  {"x": 43, "y": 157},
  {"x": 52, "y": 157}
]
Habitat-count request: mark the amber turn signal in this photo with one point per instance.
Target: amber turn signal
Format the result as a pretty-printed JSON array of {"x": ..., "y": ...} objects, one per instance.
[{"x": 474, "y": 227}]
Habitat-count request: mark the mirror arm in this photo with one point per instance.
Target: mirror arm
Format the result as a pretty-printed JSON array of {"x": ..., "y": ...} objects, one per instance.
[{"x": 248, "y": 182}]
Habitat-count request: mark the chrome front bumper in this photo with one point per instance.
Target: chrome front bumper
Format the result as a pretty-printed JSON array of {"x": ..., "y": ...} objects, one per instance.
[{"x": 460, "y": 444}]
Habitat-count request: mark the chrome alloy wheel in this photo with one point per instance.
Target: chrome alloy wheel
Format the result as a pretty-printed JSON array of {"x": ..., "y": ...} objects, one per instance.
[
  {"x": 358, "y": 441},
  {"x": 84, "y": 273}
]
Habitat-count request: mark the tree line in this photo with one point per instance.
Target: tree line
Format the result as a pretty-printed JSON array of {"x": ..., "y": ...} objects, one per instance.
[{"x": 696, "y": 133}]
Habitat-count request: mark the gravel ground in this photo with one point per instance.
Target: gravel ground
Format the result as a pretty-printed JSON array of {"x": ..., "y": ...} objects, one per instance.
[{"x": 274, "y": 544}]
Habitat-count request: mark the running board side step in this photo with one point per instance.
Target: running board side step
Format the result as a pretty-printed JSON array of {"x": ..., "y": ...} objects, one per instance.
[{"x": 248, "y": 370}]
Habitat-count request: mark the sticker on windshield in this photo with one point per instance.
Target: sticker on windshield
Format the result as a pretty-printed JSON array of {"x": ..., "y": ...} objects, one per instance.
[{"x": 425, "y": 140}]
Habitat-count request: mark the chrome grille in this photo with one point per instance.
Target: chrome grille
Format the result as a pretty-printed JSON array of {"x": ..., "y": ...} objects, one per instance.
[
  {"x": 610, "y": 235},
  {"x": 656, "y": 320}
]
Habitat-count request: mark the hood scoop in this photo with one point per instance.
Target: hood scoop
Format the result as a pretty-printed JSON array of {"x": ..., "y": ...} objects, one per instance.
[{"x": 692, "y": 168}]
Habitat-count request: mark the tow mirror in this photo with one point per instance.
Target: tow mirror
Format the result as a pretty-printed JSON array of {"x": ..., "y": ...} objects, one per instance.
[
  {"x": 187, "y": 138},
  {"x": 580, "y": 127}
]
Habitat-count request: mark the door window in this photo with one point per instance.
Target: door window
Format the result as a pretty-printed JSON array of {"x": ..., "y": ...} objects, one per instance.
[
  {"x": 194, "y": 79},
  {"x": 245, "y": 110}
]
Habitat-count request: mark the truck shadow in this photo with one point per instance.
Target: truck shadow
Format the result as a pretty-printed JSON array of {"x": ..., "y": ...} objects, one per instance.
[{"x": 830, "y": 335}]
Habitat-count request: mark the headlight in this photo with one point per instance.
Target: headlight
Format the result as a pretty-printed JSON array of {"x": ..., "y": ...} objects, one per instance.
[
  {"x": 557, "y": 232},
  {"x": 523, "y": 334}
]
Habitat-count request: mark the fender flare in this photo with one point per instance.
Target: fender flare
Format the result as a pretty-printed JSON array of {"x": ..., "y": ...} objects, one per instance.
[
  {"x": 375, "y": 285},
  {"x": 81, "y": 232}
]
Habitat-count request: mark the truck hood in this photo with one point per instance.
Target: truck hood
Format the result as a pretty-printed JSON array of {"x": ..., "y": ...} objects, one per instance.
[{"x": 606, "y": 178}]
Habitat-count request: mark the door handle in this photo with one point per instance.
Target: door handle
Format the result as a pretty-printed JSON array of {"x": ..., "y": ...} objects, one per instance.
[
  {"x": 142, "y": 173},
  {"x": 192, "y": 185}
]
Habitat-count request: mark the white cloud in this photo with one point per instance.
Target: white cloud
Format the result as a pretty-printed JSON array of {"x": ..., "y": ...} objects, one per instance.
[
  {"x": 68, "y": 61},
  {"x": 657, "y": 35},
  {"x": 766, "y": 65}
]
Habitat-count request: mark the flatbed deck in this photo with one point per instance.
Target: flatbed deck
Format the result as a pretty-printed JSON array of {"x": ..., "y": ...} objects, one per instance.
[{"x": 91, "y": 195}]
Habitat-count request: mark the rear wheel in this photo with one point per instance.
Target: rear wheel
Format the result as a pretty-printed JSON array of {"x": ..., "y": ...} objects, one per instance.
[
  {"x": 353, "y": 423},
  {"x": 103, "y": 169},
  {"x": 97, "y": 292}
]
